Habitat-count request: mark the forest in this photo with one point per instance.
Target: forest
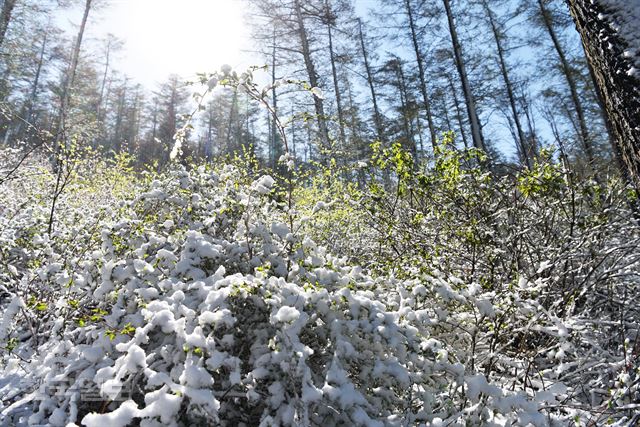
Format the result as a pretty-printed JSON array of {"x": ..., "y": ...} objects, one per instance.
[{"x": 399, "y": 213}]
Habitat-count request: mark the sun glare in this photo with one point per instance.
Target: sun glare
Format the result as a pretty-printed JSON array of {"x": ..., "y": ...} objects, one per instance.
[{"x": 176, "y": 36}]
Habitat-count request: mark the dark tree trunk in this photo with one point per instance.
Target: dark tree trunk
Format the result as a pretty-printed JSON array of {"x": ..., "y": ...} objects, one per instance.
[
  {"x": 5, "y": 18},
  {"x": 618, "y": 90}
]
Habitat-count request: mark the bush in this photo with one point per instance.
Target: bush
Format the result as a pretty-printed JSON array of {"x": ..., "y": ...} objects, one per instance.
[{"x": 204, "y": 297}]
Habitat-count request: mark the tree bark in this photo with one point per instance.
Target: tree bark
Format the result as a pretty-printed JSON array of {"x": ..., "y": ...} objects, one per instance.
[
  {"x": 618, "y": 89},
  {"x": 5, "y": 18}
]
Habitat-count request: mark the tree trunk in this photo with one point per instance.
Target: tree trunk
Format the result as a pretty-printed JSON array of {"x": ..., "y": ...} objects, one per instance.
[
  {"x": 376, "y": 112},
  {"x": 5, "y": 18},
  {"x": 584, "y": 136},
  {"x": 404, "y": 103},
  {"x": 618, "y": 89},
  {"x": 104, "y": 80},
  {"x": 421, "y": 74},
  {"x": 71, "y": 75},
  {"x": 452, "y": 89},
  {"x": 334, "y": 73},
  {"x": 33, "y": 96},
  {"x": 233, "y": 112},
  {"x": 273, "y": 149},
  {"x": 117, "y": 133},
  {"x": 313, "y": 79},
  {"x": 526, "y": 157},
  {"x": 474, "y": 121}
]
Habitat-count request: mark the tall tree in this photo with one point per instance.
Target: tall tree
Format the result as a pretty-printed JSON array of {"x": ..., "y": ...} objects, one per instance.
[
  {"x": 547, "y": 20},
  {"x": 172, "y": 99},
  {"x": 70, "y": 75},
  {"x": 476, "y": 128},
  {"x": 313, "y": 76},
  {"x": 617, "y": 83},
  {"x": 526, "y": 152},
  {"x": 5, "y": 18},
  {"x": 329, "y": 19},
  {"x": 32, "y": 100},
  {"x": 377, "y": 118},
  {"x": 409, "y": 8}
]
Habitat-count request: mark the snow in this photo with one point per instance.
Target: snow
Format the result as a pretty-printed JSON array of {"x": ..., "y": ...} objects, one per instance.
[
  {"x": 287, "y": 314},
  {"x": 263, "y": 185},
  {"x": 294, "y": 334},
  {"x": 7, "y": 318},
  {"x": 121, "y": 417}
]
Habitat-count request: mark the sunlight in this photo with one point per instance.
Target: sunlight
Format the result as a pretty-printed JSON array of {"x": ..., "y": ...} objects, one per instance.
[{"x": 182, "y": 37}]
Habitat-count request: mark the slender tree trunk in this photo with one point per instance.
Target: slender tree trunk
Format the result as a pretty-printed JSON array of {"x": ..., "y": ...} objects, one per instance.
[
  {"x": 376, "y": 112},
  {"x": 583, "y": 134},
  {"x": 334, "y": 73},
  {"x": 33, "y": 96},
  {"x": 274, "y": 104},
  {"x": 5, "y": 18},
  {"x": 154, "y": 122},
  {"x": 403, "y": 81},
  {"x": 533, "y": 139},
  {"x": 117, "y": 133},
  {"x": 474, "y": 121},
  {"x": 421, "y": 73},
  {"x": 172, "y": 125},
  {"x": 355, "y": 130},
  {"x": 404, "y": 102},
  {"x": 452, "y": 89},
  {"x": 104, "y": 80},
  {"x": 71, "y": 75},
  {"x": 617, "y": 88},
  {"x": 520, "y": 137},
  {"x": 232, "y": 113},
  {"x": 404, "y": 107},
  {"x": 293, "y": 134},
  {"x": 135, "y": 119},
  {"x": 313, "y": 79},
  {"x": 208, "y": 148}
]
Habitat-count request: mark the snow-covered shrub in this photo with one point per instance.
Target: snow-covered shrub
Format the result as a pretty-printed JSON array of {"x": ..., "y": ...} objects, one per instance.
[
  {"x": 199, "y": 306},
  {"x": 571, "y": 248},
  {"x": 205, "y": 297}
]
